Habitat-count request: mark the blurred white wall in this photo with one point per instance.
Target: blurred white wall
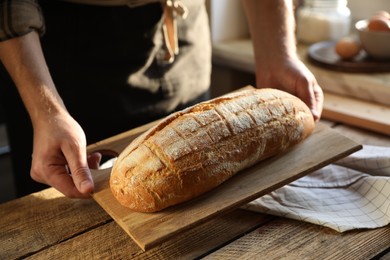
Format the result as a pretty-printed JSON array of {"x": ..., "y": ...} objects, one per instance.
[
  {"x": 364, "y": 9},
  {"x": 227, "y": 20}
]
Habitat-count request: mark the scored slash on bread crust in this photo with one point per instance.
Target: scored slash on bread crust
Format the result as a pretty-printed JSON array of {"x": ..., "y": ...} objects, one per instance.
[{"x": 194, "y": 150}]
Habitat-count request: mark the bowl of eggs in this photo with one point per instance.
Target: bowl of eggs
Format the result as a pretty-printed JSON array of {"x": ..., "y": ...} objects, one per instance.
[{"x": 374, "y": 35}]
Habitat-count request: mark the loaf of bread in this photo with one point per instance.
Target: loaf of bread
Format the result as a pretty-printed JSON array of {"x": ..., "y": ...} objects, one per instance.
[{"x": 193, "y": 151}]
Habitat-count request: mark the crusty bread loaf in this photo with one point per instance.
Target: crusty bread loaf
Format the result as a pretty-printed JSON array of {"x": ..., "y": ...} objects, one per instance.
[{"x": 193, "y": 151}]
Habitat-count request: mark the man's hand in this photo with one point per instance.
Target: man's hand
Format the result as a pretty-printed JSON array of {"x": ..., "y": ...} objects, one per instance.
[
  {"x": 294, "y": 77},
  {"x": 59, "y": 157},
  {"x": 272, "y": 28}
]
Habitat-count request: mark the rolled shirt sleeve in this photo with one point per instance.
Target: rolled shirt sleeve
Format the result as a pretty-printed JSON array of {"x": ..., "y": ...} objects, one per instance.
[{"x": 19, "y": 17}]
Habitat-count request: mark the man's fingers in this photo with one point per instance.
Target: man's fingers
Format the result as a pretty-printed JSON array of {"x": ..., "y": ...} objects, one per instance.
[
  {"x": 79, "y": 170},
  {"x": 60, "y": 179},
  {"x": 94, "y": 160},
  {"x": 82, "y": 178},
  {"x": 320, "y": 101},
  {"x": 82, "y": 175}
]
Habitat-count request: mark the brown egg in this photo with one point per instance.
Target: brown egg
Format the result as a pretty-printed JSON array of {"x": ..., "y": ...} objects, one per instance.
[
  {"x": 347, "y": 48},
  {"x": 379, "y": 23}
]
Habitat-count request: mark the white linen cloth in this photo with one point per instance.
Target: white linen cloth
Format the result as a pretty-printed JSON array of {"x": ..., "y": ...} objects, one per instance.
[{"x": 353, "y": 193}]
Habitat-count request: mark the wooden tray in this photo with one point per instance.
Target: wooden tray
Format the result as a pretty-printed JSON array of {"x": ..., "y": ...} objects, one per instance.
[
  {"x": 356, "y": 112},
  {"x": 150, "y": 229}
]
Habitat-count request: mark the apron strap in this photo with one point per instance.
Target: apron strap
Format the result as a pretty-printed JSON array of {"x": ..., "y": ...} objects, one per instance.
[{"x": 172, "y": 9}]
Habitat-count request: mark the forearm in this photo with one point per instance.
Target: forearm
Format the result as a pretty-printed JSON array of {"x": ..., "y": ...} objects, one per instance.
[
  {"x": 24, "y": 61},
  {"x": 59, "y": 141},
  {"x": 272, "y": 28}
]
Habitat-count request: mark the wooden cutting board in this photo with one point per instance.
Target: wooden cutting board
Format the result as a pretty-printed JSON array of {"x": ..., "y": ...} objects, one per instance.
[
  {"x": 323, "y": 147},
  {"x": 356, "y": 112}
]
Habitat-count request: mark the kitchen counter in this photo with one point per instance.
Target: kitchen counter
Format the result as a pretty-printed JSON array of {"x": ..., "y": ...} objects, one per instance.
[
  {"x": 46, "y": 225},
  {"x": 369, "y": 86},
  {"x": 357, "y": 99}
]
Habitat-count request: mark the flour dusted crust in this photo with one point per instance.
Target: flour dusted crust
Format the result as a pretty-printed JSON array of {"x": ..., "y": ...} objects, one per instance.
[{"x": 193, "y": 151}]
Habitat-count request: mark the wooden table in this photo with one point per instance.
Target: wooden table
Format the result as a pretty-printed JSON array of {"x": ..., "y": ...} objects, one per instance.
[{"x": 46, "y": 225}]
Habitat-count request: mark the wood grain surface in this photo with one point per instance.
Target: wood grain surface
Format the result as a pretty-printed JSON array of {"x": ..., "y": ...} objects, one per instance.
[
  {"x": 31, "y": 223},
  {"x": 301, "y": 241},
  {"x": 150, "y": 229},
  {"x": 46, "y": 225}
]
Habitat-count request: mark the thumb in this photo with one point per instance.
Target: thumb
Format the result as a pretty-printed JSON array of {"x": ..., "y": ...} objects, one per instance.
[
  {"x": 78, "y": 166},
  {"x": 82, "y": 179}
]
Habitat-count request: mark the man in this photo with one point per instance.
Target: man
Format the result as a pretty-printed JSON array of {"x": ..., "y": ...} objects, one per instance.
[{"x": 95, "y": 68}]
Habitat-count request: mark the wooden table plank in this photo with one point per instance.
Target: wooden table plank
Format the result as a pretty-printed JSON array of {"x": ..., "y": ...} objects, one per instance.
[
  {"x": 110, "y": 242},
  {"x": 40, "y": 220},
  {"x": 290, "y": 239}
]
